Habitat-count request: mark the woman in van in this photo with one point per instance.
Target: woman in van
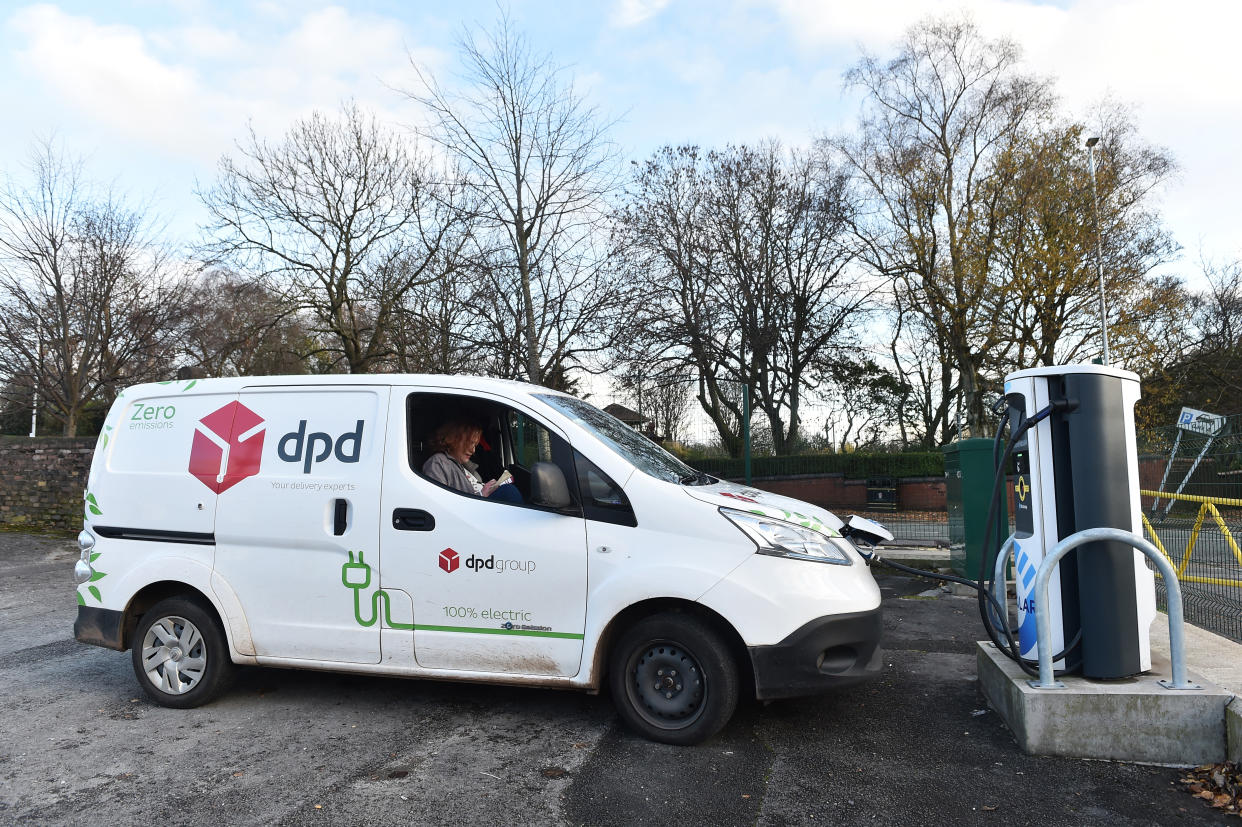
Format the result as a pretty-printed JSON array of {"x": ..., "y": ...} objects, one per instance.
[{"x": 454, "y": 442}]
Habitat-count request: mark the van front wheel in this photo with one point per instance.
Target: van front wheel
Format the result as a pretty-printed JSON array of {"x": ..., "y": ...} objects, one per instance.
[
  {"x": 673, "y": 679},
  {"x": 180, "y": 655}
]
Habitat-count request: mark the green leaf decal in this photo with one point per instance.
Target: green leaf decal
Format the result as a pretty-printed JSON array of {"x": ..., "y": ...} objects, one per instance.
[
  {"x": 78, "y": 595},
  {"x": 95, "y": 556},
  {"x": 94, "y": 591},
  {"x": 94, "y": 510},
  {"x": 90, "y": 498},
  {"x": 193, "y": 382},
  {"x": 99, "y": 575}
]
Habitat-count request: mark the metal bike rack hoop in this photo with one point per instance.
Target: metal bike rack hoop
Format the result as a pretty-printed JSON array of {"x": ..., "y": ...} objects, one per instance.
[{"x": 1173, "y": 589}]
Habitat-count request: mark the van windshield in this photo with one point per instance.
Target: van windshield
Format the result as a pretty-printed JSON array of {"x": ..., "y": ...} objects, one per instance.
[{"x": 638, "y": 450}]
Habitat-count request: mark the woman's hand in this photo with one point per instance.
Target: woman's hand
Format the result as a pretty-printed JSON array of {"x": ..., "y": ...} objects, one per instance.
[{"x": 489, "y": 487}]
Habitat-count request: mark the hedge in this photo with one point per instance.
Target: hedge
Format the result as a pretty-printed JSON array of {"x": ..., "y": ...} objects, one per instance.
[{"x": 853, "y": 466}]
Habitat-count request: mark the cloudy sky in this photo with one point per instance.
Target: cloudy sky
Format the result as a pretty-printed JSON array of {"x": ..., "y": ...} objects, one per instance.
[{"x": 152, "y": 92}]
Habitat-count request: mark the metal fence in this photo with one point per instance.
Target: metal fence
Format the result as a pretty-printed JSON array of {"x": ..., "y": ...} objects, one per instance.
[
  {"x": 1204, "y": 551},
  {"x": 1192, "y": 511}
]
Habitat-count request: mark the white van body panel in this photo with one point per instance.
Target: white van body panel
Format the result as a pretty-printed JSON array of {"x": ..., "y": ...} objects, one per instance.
[
  {"x": 147, "y": 563},
  {"x": 234, "y": 615},
  {"x": 147, "y": 427},
  {"x": 275, "y": 542},
  {"x": 259, "y": 465},
  {"x": 769, "y": 598}
]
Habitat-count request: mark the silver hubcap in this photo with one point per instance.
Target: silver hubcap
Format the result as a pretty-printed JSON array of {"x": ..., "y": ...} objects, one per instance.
[{"x": 174, "y": 655}]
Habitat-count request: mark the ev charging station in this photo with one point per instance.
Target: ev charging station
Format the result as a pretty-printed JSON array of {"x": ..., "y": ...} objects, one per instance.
[
  {"x": 1085, "y": 596},
  {"x": 1077, "y": 468}
]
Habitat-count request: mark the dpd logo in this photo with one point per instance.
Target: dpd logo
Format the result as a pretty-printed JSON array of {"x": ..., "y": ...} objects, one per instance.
[
  {"x": 227, "y": 447},
  {"x": 318, "y": 446},
  {"x": 450, "y": 560}
]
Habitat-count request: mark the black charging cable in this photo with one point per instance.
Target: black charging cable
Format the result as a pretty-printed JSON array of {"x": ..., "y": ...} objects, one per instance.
[
  {"x": 984, "y": 586},
  {"x": 987, "y": 562}
]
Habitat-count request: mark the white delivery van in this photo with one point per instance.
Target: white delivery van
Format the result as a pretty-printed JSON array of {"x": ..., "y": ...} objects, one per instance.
[{"x": 287, "y": 521}]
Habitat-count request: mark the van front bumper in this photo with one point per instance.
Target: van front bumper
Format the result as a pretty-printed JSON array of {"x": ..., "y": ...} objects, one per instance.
[
  {"x": 99, "y": 627},
  {"x": 827, "y": 653}
]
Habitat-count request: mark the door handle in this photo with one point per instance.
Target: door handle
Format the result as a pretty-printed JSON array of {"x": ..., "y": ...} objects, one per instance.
[
  {"x": 340, "y": 517},
  {"x": 412, "y": 519}
]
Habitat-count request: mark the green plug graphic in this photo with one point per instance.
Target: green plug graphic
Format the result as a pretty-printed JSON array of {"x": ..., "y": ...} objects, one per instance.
[
  {"x": 357, "y": 576},
  {"x": 352, "y": 569}
]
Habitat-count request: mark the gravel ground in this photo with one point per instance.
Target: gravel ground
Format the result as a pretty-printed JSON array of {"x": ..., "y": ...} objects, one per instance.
[{"x": 80, "y": 745}]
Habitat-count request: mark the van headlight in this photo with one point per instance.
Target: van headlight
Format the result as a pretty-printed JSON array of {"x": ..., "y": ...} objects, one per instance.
[{"x": 784, "y": 539}]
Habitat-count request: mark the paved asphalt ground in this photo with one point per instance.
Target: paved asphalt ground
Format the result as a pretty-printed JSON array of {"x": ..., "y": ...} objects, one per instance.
[{"x": 79, "y": 744}]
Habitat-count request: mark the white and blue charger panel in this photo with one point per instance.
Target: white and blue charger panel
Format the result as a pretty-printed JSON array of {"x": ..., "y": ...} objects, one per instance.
[{"x": 1074, "y": 470}]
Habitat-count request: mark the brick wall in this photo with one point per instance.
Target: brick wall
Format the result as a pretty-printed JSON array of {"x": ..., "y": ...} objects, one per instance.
[{"x": 42, "y": 480}]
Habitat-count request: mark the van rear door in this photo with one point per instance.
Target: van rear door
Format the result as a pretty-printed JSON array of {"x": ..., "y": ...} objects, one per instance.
[{"x": 293, "y": 541}]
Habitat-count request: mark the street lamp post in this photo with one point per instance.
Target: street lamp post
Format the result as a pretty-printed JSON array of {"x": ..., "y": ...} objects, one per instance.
[
  {"x": 1099, "y": 255},
  {"x": 34, "y": 401}
]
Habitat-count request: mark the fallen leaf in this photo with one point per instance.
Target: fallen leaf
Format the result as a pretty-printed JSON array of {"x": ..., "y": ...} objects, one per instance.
[
  {"x": 398, "y": 773},
  {"x": 553, "y": 772},
  {"x": 1221, "y": 800},
  {"x": 318, "y": 806},
  {"x": 987, "y": 808}
]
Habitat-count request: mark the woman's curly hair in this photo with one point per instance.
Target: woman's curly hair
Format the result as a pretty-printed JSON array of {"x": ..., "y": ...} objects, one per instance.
[{"x": 451, "y": 434}]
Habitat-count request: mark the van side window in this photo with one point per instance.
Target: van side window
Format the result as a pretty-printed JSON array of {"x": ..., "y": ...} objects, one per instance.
[
  {"x": 511, "y": 441},
  {"x": 531, "y": 441},
  {"x": 602, "y": 499}
]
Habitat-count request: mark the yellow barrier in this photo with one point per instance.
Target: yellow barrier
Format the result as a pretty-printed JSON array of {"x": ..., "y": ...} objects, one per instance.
[{"x": 1208, "y": 506}]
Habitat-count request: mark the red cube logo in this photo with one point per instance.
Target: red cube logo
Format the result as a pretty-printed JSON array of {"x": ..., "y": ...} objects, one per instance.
[
  {"x": 228, "y": 447},
  {"x": 449, "y": 560}
]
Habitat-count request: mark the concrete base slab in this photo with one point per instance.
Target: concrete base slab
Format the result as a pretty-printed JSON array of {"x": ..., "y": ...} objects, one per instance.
[
  {"x": 1133, "y": 719},
  {"x": 1233, "y": 729}
]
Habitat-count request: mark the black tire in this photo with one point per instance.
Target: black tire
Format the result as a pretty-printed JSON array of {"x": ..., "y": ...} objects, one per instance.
[
  {"x": 673, "y": 678},
  {"x": 174, "y": 666}
]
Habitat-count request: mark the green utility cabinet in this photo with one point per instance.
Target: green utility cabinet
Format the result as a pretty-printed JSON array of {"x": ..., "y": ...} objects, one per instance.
[{"x": 968, "y": 475}]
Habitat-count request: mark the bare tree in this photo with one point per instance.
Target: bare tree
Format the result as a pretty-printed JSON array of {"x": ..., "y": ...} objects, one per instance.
[
  {"x": 342, "y": 221},
  {"x": 88, "y": 300},
  {"x": 539, "y": 164},
  {"x": 863, "y": 404},
  {"x": 664, "y": 400},
  {"x": 924, "y": 402},
  {"x": 236, "y": 326},
  {"x": 742, "y": 258},
  {"x": 936, "y": 117},
  {"x": 1199, "y": 359}
]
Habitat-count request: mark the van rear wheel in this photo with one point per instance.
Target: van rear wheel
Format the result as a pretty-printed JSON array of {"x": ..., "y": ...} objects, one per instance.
[
  {"x": 673, "y": 679},
  {"x": 180, "y": 655}
]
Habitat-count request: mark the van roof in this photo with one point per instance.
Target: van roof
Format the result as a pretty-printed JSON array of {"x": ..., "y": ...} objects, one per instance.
[{"x": 234, "y": 384}]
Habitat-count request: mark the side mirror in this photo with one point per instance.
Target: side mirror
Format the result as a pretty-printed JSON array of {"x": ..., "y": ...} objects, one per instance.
[
  {"x": 865, "y": 532},
  {"x": 548, "y": 487}
]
